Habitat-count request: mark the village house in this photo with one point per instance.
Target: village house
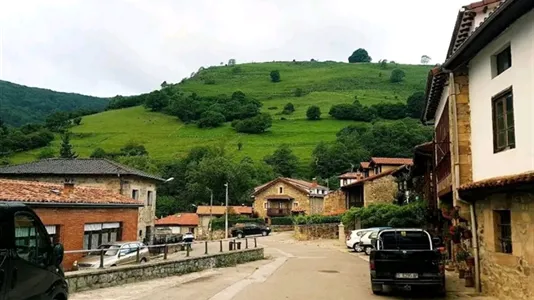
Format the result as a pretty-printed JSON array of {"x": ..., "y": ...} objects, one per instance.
[
  {"x": 481, "y": 103},
  {"x": 206, "y": 213},
  {"x": 99, "y": 173},
  {"x": 287, "y": 196},
  {"x": 179, "y": 223},
  {"x": 77, "y": 217}
]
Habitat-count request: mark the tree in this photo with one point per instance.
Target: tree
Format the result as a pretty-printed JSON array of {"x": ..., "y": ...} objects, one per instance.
[
  {"x": 313, "y": 113},
  {"x": 58, "y": 121},
  {"x": 99, "y": 153},
  {"x": 298, "y": 92},
  {"x": 359, "y": 55},
  {"x": 288, "y": 109},
  {"x": 156, "y": 100},
  {"x": 66, "y": 151},
  {"x": 211, "y": 119},
  {"x": 397, "y": 75},
  {"x": 390, "y": 111},
  {"x": 239, "y": 146},
  {"x": 231, "y": 62},
  {"x": 414, "y": 104},
  {"x": 77, "y": 121},
  {"x": 164, "y": 84},
  {"x": 283, "y": 161},
  {"x": 257, "y": 124},
  {"x": 425, "y": 59},
  {"x": 133, "y": 149},
  {"x": 275, "y": 76},
  {"x": 384, "y": 64},
  {"x": 46, "y": 153}
]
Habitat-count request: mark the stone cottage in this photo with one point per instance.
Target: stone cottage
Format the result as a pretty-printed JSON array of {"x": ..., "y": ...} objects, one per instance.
[
  {"x": 99, "y": 173},
  {"x": 288, "y": 196}
]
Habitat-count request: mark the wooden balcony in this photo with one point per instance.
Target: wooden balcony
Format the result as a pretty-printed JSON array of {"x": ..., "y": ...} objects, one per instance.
[{"x": 278, "y": 212}]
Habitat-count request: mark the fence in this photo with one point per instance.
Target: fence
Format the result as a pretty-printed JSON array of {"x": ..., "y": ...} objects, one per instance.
[{"x": 164, "y": 251}]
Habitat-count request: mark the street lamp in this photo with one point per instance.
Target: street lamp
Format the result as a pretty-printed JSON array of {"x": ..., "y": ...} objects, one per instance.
[
  {"x": 169, "y": 179},
  {"x": 226, "y": 214},
  {"x": 211, "y": 212}
]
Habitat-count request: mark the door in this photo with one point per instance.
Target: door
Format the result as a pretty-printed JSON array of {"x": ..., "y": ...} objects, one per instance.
[
  {"x": 316, "y": 206},
  {"x": 31, "y": 274},
  {"x": 125, "y": 255}
]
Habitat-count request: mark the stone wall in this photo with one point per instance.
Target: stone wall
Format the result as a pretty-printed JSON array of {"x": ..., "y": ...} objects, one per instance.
[
  {"x": 381, "y": 190},
  {"x": 280, "y": 228},
  {"x": 316, "y": 231},
  {"x": 507, "y": 276},
  {"x": 335, "y": 202},
  {"x": 88, "y": 280}
]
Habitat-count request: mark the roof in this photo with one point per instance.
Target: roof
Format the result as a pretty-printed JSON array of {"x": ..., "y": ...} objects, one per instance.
[
  {"x": 350, "y": 175},
  {"x": 302, "y": 185},
  {"x": 51, "y": 193},
  {"x": 435, "y": 84},
  {"x": 220, "y": 210},
  {"x": 78, "y": 166},
  {"x": 184, "y": 219},
  {"x": 371, "y": 178},
  {"x": 504, "y": 15},
  {"x": 501, "y": 181},
  {"x": 364, "y": 164},
  {"x": 391, "y": 161},
  {"x": 278, "y": 197}
]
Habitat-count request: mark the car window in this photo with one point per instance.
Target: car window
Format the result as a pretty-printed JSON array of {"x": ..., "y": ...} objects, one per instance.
[
  {"x": 31, "y": 243},
  {"x": 405, "y": 240},
  {"x": 360, "y": 233},
  {"x": 125, "y": 249},
  {"x": 373, "y": 235},
  {"x": 111, "y": 250}
]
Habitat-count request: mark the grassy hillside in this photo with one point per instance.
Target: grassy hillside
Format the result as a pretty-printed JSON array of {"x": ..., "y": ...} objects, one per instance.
[
  {"x": 324, "y": 84},
  {"x": 21, "y": 104}
]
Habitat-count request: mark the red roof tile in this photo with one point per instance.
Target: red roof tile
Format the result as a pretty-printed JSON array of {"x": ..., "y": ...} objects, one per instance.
[
  {"x": 31, "y": 191},
  {"x": 502, "y": 181},
  {"x": 481, "y": 3},
  {"x": 391, "y": 161},
  {"x": 220, "y": 210},
  {"x": 302, "y": 185},
  {"x": 184, "y": 219},
  {"x": 365, "y": 164},
  {"x": 373, "y": 177},
  {"x": 351, "y": 175}
]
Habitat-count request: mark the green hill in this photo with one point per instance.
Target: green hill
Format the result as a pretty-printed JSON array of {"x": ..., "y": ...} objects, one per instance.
[
  {"x": 21, "y": 104},
  {"x": 322, "y": 83}
]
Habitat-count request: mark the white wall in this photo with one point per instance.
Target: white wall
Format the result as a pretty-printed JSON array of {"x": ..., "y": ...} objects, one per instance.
[
  {"x": 482, "y": 87},
  {"x": 441, "y": 105}
]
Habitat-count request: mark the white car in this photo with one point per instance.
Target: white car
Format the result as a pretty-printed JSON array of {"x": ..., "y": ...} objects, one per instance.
[
  {"x": 353, "y": 240},
  {"x": 360, "y": 239},
  {"x": 365, "y": 241}
]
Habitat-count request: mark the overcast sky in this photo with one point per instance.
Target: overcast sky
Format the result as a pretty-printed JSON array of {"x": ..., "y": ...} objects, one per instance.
[{"x": 110, "y": 47}]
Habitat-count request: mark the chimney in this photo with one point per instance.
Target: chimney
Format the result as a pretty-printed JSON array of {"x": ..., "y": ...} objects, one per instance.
[
  {"x": 68, "y": 187},
  {"x": 314, "y": 182}
]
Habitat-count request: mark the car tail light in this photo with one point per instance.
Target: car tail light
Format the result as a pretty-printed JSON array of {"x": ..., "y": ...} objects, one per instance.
[
  {"x": 441, "y": 268},
  {"x": 348, "y": 237},
  {"x": 372, "y": 265}
]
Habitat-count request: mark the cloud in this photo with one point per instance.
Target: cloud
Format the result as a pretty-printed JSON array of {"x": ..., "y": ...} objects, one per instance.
[{"x": 110, "y": 47}]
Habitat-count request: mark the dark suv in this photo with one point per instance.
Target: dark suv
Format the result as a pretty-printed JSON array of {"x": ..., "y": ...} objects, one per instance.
[
  {"x": 30, "y": 266},
  {"x": 243, "y": 230}
]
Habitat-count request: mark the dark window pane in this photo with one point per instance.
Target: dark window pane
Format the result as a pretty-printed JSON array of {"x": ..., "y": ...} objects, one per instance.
[
  {"x": 501, "y": 139},
  {"x": 511, "y": 137},
  {"x": 500, "y": 108},
  {"x": 500, "y": 124},
  {"x": 510, "y": 119},
  {"x": 509, "y": 103},
  {"x": 504, "y": 60}
]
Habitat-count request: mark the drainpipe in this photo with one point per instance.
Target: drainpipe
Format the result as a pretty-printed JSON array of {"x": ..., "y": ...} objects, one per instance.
[{"x": 456, "y": 182}]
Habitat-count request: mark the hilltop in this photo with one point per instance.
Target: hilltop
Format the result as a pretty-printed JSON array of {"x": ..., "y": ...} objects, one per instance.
[
  {"x": 20, "y": 105},
  {"x": 320, "y": 83}
]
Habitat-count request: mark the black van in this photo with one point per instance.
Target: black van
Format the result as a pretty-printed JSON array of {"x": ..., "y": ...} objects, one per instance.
[{"x": 30, "y": 266}]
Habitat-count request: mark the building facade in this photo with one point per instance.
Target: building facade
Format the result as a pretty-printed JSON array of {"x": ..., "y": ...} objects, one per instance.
[
  {"x": 180, "y": 223},
  {"x": 207, "y": 213},
  {"x": 99, "y": 173}
]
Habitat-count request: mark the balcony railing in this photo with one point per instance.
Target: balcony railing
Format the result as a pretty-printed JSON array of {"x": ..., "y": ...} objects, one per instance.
[{"x": 278, "y": 212}]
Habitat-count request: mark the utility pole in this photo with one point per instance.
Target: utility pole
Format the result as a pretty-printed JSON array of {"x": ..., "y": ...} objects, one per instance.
[
  {"x": 226, "y": 214},
  {"x": 211, "y": 212}
]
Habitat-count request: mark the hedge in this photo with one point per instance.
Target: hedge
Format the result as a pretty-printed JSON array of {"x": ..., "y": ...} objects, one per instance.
[
  {"x": 218, "y": 224},
  {"x": 379, "y": 215},
  {"x": 316, "y": 219},
  {"x": 282, "y": 221}
]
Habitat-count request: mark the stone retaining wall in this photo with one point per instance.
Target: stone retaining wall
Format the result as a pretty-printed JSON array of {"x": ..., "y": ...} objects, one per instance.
[
  {"x": 280, "y": 228},
  {"x": 316, "y": 231},
  {"x": 94, "y": 279}
]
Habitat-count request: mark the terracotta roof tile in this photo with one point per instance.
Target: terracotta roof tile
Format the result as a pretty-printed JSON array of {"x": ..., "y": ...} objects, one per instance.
[
  {"x": 374, "y": 177},
  {"x": 220, "y": 210},
  {"x": 31, "y": 191},
  {"x": 351, "y": 175},
  {"x": 502, "y": 181},
  {"x": 184, "y": 219},
  {"x": 302, "y": 185},
  {"x": 391, "y": 161},
  {"x": 365, "y": 164}
]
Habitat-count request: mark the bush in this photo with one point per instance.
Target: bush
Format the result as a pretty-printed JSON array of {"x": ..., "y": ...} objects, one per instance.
[
  {"x": 257, "y": 124},
  {"x": 211, "y": 119},
  {"x": 359, "y": 55},
  {"x": 77, "y": 121},
  {"x": 380, "y": 215},
  {"x": 275, "y": 76},
  {"x": 313, "y": 113},
  {"x": 218, "y": 223},
  {"x": 99, "y": 153},
  {"x": 316, "y": 219},
  {"x": 46, "y": 153},
  {"x": 298, "y": 92},
  {"x": 282, "y": 221},
  {"x": 397, "y": 75},
  {"x": 288, "y": 109}
]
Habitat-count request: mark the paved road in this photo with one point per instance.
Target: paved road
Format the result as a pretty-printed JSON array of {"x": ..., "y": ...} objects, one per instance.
[{"x": 292, "y": 271}]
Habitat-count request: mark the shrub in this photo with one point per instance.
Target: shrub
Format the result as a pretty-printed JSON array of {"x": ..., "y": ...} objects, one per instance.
[
  {"x": 397, "y": 75},
  {"x": 257, "y": 124},
  {"x": 282, "y": 221},
  {"x": 379, "y": 215},
  {"x": 288, "y": 109},
  {"x": 313, "y": 113},
  {"x": 218, "y": 223},
  {"x": 77, "y": 121},
  {"x": 275, "y": 76},
  {"x": 99, "y": 153},
  {"x": 316, "y": 219},
  {"x": 298, "y": 92},
  {"x": 211, "y": 119},
  {"x": 46, "y": 153}
]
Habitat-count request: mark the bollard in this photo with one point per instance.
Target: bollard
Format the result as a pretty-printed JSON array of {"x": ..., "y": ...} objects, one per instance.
[
  {"x": 230, "y": 245},
  {"x": 187, "y": 250},
  {"x": 255, "y": 244},
  {"x": 220, "y": 245},
  {"x": 246, "y": 243},
  {"x": 101, "y": 259},
  {"x": 165, "y": 251},
  {"x": 137, "y": 255},
  {"x": 206, "y": 247}
]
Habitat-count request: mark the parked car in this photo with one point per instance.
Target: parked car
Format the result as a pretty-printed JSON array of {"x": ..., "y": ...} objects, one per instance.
[
  {"x": 405, "y": 258},
  {"x": 353, "y": 240},
  {"x": 246, "y": 229},
  {"x": 188, "y": 237},
  {"x": 365, "y": 241},
  {"x": 30, "y": 266},
  {"x": 115, "y": 254}
]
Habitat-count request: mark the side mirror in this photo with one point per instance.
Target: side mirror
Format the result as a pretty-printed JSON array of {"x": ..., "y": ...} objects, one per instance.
[
  {"x": 374, "y": 242},
  {"x": 57, "y": 253}
]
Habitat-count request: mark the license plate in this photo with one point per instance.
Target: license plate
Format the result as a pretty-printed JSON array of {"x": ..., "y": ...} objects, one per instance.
[{"x": 407, "y": 275}]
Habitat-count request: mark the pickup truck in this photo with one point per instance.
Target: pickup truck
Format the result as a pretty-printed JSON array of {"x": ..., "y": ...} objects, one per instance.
[
  {"x": 406, "y": 258},
  {"x": 30, "y": 266}
]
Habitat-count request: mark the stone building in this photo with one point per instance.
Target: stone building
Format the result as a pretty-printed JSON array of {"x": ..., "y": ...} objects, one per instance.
[
  {"x": 99, "y": 173},
  {"x": 378, "y": 188},
  {"x": 80, "y": 218},
  {"x": 481, "y": 104},
  {"x": 288, "y": 196}
]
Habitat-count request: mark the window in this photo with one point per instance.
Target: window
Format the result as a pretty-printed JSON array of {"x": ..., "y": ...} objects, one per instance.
[
  {"x": 295, "y": 204},
  {"x": 31, "y": 241},
  {"x": 53, "y": 233},
  {"x": 149, "y": 197},
  {"x": 265, "y": 205},
  {"x": 503, "y": 121},
  {"x": 405, "y": 240},
  {"x": 100, "y": 233},
  {"x": 503, "y": 61},
  {"x": 135, "y": 194},
  {"x": 281, "y": 190},
  {"x": 503, "y": 230}
]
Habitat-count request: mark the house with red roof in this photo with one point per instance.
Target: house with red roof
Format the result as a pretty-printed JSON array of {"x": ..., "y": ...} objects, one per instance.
[
  {"x": 179, "y": 223},
  {"x": 206, "y": 213},
  {"x": 80, "y": 218}
]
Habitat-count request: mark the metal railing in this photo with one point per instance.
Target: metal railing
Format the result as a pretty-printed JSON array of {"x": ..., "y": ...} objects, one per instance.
[{"x": 233, "y": 244}]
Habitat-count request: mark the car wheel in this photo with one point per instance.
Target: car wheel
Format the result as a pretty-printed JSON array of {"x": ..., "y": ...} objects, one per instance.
[
  {"x": 113, "y": 265},
  {"x": 357, "y": 248},
  {"x": 368, "y": 250},
  {"x": 240, "y": 235},
  {"x": 143, "y": 260},
  {"x": 264, "y": 233},
  {"x": 377, "y": 289}
]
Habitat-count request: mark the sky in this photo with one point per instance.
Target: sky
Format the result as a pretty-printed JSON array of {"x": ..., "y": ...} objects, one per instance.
[{"x": 126, "y": 47}]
